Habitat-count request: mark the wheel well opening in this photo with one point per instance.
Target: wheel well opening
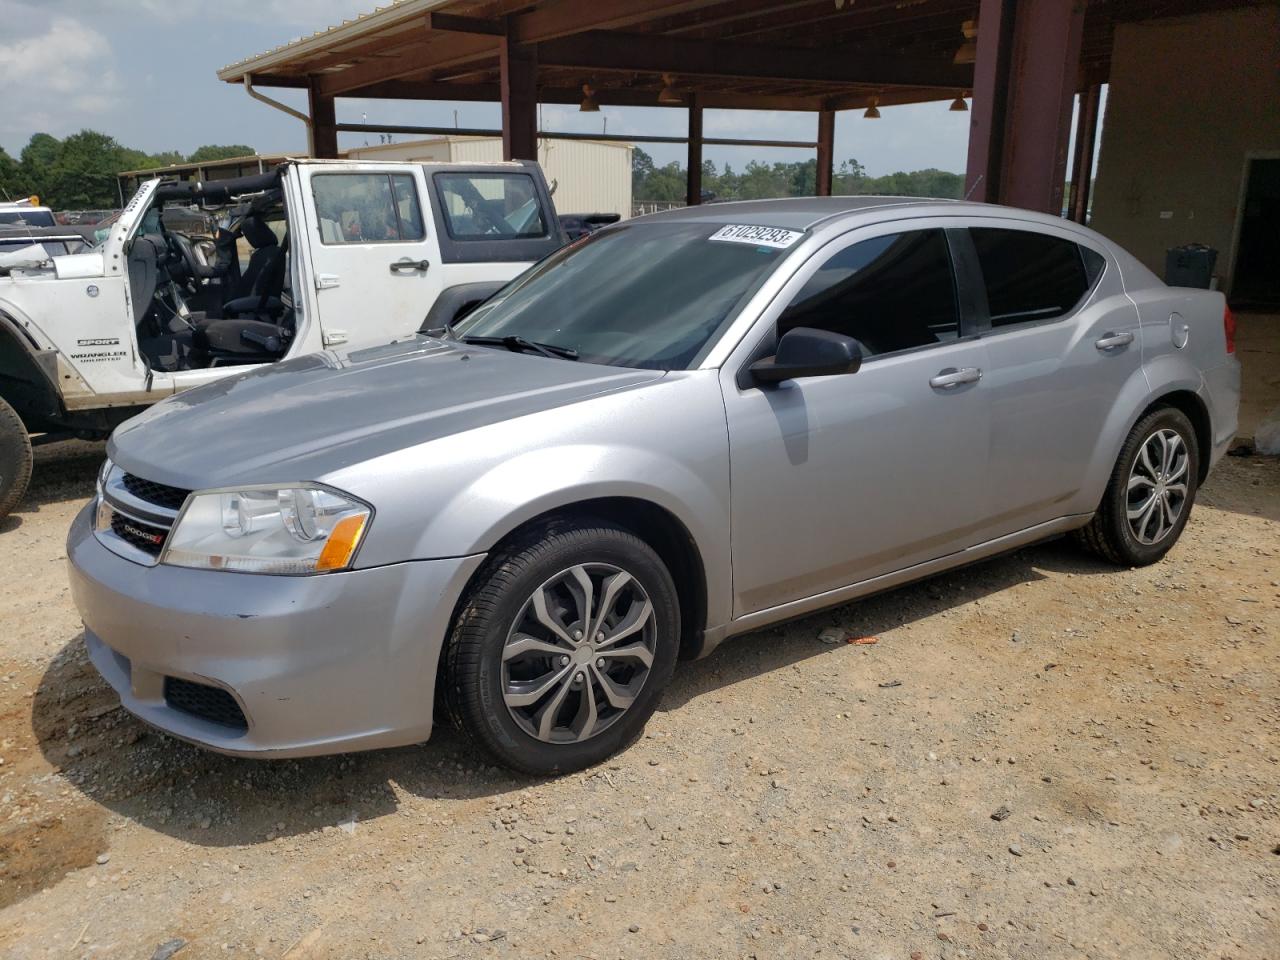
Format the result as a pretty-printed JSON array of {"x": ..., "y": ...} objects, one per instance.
[
  {"x": 23, "y": 384},
  {"x": 1198, "y": 414},
  {"x": 662, "y": 531}
]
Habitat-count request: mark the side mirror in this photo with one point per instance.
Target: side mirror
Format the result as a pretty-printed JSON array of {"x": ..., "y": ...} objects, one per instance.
[{"x": 806, "y": 352}]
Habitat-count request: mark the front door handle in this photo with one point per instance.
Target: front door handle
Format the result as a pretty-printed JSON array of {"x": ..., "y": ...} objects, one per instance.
[
  {"x": 950, "y": 378},
  {"x": 1112, "y": 340},
  {"x": 407, "y": 264}
]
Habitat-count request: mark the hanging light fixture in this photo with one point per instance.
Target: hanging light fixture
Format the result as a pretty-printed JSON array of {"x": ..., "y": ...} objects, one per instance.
[
  {"x": 968, "y": 52},
  {"x": 958, "y": 105},
  {"x": 588, "y": 104},
  {"x": 873, "y": 110},
  {"x": 668, "y": 93}
]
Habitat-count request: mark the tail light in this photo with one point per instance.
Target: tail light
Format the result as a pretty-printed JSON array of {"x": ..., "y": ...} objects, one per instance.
[{"x": 1229, "y": 327}]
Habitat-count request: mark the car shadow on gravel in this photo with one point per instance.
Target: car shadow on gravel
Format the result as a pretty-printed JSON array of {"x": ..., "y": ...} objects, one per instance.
[
  {"x": 781, "y": 645},
  {"x": 201, "y": 797},
  {"x": 207, "y": 799}
]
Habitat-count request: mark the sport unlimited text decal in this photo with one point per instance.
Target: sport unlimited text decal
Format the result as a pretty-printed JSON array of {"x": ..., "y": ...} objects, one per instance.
[
  {"x": 757, "y": 236},
  {"x": 99, "y": 356}
]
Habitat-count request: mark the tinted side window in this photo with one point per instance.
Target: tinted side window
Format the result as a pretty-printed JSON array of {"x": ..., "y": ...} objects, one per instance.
[
  {"x": 486, "y": 206},
  {"x": 891, "y": 293},
  {"x": 1028, "y": 275},
  {"x": 367, "y": 208}
]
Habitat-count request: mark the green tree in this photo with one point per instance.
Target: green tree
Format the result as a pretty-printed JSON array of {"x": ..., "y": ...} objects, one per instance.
[
  {"x": 36, "y": 160},
  {"x": 213, "y": 151},
  {"x": 642, "y": 168},
  {"x": 83, "y": 176},
  {"x": 12, "y": 181}
]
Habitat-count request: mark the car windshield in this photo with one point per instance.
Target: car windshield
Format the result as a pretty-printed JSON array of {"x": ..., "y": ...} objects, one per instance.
[
  {"x": 652, "y": 295},
  {"x": 27, "y": 218}
]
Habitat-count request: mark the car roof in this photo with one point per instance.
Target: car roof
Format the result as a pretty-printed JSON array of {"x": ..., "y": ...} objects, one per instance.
[{"x": 805, "y": 213}]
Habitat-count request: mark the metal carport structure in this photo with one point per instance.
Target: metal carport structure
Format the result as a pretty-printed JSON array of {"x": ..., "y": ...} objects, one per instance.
[{"x": 1022, "y": 61}]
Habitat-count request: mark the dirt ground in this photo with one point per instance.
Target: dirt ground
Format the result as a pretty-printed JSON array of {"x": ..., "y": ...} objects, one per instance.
[{"x": 1041, "y": 757}]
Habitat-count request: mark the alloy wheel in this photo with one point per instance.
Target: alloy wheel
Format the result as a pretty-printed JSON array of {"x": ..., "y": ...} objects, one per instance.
[
  {"x": 578, "y": 653},
  {"x": 1157, "y": 490}
]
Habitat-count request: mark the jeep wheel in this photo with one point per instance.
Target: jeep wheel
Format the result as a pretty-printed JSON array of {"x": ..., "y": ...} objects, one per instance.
[
  {"x": 562, "y": 648},
  {"x": 15, "y": 459}
]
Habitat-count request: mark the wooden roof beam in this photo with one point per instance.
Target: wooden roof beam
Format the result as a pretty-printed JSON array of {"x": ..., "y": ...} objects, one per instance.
[
  {"x": 460, "y": 48},
  {"x": 607, "y": 51},
  {"x": 561, "y": 18},
  {"x": 609, "y": 96}
]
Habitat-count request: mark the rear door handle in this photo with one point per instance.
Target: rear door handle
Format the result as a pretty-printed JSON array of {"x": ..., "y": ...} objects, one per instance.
[
  {"x": 408, "y": 264},
  {"x": 950, "y": 378},
  {"x": 1112, "y": 340}
]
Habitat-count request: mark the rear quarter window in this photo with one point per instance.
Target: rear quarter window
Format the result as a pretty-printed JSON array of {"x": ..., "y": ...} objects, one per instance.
[
  {"x": 490, "y": 206},
  {"x": 1030, "y": 276}
]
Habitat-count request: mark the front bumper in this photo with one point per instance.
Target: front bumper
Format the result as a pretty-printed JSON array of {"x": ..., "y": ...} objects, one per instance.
[{"x": 322, "y": 664}]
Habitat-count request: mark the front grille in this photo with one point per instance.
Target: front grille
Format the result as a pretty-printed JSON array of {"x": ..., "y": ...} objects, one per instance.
[
  {"x": 162, "y": 495},
  {"x": 208, "y": 703},
  {"x": 147, "y": 538}
]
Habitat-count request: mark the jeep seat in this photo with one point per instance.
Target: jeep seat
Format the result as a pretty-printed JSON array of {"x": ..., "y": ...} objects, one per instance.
[
  {"x": 254, "y": 327},
  {"x": 257, "y": 291}
]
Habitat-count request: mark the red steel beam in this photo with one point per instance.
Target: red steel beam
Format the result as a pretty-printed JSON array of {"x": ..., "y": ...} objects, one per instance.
[
  {"x": 826, "y": 150},
  {"x": 990, "y": 98},
  {"x": 1046, "y": 63},
  {"x": 518, "y": 67},
  {"x": 693, "y": 170},
  {"x": 324, "y": 133}
]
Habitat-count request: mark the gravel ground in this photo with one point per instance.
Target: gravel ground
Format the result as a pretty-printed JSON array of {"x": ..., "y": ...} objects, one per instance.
[{"x": 1040, "y": 756}]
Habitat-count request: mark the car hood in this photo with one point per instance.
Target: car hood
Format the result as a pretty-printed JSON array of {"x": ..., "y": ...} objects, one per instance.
[{"x": 305, "y": 418}]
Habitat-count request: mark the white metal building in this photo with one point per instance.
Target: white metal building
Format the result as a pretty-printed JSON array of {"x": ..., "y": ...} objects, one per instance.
[{"x": 586, "y": 176}]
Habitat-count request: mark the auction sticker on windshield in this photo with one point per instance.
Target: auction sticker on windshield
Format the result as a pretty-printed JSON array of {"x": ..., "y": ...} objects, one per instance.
[{"x": 756, "y": 235}]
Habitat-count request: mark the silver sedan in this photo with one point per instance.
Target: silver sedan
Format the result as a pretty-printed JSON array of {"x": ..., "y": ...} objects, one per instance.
[{"x": 679, "y": 429}]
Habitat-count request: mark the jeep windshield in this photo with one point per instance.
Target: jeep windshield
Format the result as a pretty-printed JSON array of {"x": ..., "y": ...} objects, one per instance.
[{"x": 653, "y": 295}]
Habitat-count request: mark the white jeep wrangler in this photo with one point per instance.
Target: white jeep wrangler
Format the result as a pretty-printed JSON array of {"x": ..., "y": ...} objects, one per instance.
[{"x": 195, "y": 281}]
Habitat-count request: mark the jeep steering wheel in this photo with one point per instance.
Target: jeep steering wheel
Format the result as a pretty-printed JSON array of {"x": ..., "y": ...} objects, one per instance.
[{"x": 182, "y": 246}]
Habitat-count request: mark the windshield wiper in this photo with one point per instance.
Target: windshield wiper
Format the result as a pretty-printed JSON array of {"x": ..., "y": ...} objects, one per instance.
[{"x": 518, "y": 344}]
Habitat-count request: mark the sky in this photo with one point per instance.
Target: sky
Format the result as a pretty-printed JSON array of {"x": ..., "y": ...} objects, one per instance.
[{"x": 144, "y": 71}]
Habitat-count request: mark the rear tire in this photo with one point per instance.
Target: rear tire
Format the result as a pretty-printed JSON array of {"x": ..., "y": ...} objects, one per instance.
[
  {"x": 1150, "y": 494},
  {"x": 15, "y": 459},
  {"x": 541, "y": 686}
]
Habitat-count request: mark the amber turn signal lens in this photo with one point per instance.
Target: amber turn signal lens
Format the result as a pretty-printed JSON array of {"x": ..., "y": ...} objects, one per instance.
[{"x": 342, "y": 543}]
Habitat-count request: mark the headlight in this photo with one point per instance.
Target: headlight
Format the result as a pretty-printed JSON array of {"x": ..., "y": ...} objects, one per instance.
[{"x": 290, "y": 530}]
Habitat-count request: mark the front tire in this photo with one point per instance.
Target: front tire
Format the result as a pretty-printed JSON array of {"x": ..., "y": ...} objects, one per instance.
[
  {"x": 15, "y": 459},
  {"x": 562, "y": 647},
  {"x": 1150, "y": 494}
]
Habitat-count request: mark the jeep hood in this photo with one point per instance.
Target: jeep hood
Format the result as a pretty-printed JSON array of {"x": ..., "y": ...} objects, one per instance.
[{"x": 305, "y": 418}]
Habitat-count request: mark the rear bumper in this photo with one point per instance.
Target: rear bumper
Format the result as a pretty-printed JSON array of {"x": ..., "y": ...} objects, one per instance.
[
  {"x": 317, "y": 665},
  {"x": 1221, "y": 394}
]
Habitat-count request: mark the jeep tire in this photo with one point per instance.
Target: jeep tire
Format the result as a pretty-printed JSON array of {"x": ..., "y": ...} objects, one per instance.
[{"x": 15, "y": 459}]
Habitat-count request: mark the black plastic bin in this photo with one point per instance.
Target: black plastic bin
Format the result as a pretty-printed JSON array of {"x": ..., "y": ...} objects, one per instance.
[{"x": 1190, "y": 266}]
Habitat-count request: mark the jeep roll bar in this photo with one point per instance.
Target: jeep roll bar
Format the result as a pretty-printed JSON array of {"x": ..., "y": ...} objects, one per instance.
[{"x": 218, "y": 191}]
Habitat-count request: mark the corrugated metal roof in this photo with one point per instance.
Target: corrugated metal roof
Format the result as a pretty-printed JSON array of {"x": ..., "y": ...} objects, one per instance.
[{"x": 380, "y": 18}]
